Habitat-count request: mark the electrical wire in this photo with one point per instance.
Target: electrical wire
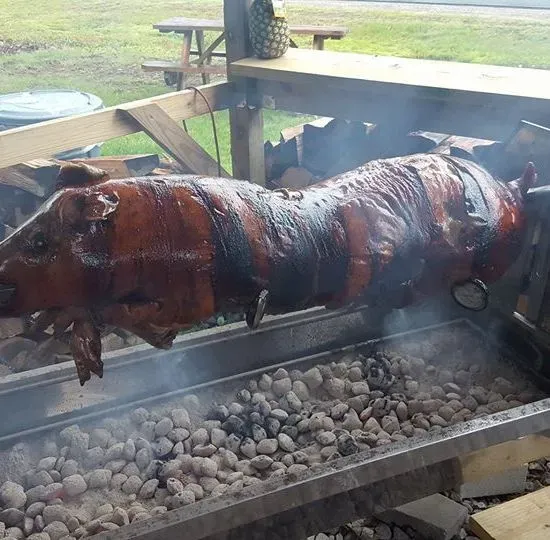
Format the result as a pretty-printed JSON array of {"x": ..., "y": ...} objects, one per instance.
[{"x": 211, "y": 112}]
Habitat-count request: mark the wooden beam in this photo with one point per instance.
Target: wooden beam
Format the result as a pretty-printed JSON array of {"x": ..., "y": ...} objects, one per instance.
[
  {"x": 502, "y": 457},
  {"x": 406, "y": 109},
  {"x": 48, "y": 138},
  {"x": 124, "y": 166},
  {"x": 246, "y": 122},
  {"x": 526, "y": 517},
  {"x": 167, "y": 133},
  {"x": 357, "y": 72},
  {"x": 209, "y": 51},
  {"x": 472, "y": 100},
  {"x": 19, "y": 177},
  {"x": 178, "y": 67}
]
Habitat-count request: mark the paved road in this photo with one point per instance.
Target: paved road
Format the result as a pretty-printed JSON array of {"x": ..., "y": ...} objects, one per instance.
[{"x": 533, "y": 14}]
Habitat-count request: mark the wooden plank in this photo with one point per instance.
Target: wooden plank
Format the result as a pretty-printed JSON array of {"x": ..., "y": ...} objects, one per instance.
[
  {"x": 184, "y": 24},
  {"x": 356, "y": 72},
  {"x": 405, "y": 109},
  {"x": 496, "y": 459},
  {"x": 246, "y": 123},
  {"x": 318, "y": 42},
  {"x": 246, "y": 144},
  {"x": 524, "y": 518},
  {"x": 48, "y": 138},
  {"x": 124, "y": 166},
  {"x": 331, "y": 32},
  {"x": 177, "y": 67},
  {"x": 209, "y": 51},
  {"x": 213, "y": 54},
  {"x": 20, "y": 177},
  {"x": 185, "y": 50},
  {"x": 200, "y": 48},
  {"x": 173, "y": 139}
]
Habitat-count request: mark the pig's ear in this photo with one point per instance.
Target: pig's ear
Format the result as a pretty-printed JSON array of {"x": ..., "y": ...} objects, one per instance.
[
  {"x": 83, "y": 208},
  {"x": 99, "y": 206},
  {"x": 80, "y": 174}
]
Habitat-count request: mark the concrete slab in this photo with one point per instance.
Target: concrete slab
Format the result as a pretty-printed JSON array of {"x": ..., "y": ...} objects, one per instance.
[
  {"x": 512, "y": 481},
  {"x": 435, "y": 517}
]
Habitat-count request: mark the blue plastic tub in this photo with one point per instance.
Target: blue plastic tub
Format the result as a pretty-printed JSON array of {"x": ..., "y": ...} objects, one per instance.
[{"x": 34, "y": 106}]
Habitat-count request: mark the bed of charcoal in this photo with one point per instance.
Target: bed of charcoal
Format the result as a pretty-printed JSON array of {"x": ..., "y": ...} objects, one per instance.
[{"x": 89, "y": 478}]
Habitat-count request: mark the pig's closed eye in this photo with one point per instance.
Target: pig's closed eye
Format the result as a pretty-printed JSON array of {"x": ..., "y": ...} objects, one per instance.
[{"x": 39, "y": 243}]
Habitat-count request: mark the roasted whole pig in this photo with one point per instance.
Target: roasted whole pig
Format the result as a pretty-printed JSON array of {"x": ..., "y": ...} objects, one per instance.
[{"x": 155, "y": 255}]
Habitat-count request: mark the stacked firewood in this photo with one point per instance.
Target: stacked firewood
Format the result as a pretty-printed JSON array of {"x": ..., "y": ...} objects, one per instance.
[
  {"x": 318, "y": 150},
  {"x": 24, "y": 187}
]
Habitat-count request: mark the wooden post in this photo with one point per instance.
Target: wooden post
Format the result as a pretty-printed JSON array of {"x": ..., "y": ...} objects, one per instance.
[
  {"x": 246, "y": 122},
  {"x": 185, "y": 51}
]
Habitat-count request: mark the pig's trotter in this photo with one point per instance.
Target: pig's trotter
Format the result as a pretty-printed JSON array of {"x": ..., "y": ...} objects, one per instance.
[{"x": 86, "y": 349}]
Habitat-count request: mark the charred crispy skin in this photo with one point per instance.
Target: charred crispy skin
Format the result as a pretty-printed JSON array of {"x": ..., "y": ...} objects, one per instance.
[{"x": 155, "y": 255}]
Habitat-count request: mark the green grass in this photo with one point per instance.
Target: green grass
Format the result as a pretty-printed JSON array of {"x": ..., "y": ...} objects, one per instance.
[{"x": 98, "y": 46}]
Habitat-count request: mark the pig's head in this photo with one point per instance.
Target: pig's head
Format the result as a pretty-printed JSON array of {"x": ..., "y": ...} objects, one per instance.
[{"x": 58, "y": 257}]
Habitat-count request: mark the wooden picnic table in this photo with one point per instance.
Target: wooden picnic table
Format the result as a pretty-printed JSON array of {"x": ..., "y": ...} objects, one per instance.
[{"x": 174, "y": 71}]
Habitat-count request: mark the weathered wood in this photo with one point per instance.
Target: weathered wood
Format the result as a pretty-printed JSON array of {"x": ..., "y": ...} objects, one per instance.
[
  {"x": 178, "y": 67},
  {"x": 524, "y": 518},
  {"x": 185, "y": 52},
  {"x": 318, "y": 43},
  {"x": 208, "y": 53},
  {"x": 471, "y": 100},
  {"x": 200, "y": 48},
  {"x": 184, "y": 24},
  {"x": 503, "y": 457},
  {"x": 291, "y": 132},
  {"x": 246, "y": 122},
  {"x": 173, "y": 139},
  {"x": 355, "y": 72},
  {"x": 247, "y": 154},
  {"x": 48, "y": 138},
  {"x": 124, "y": 166},
  {"x": 20, "y": 177}
]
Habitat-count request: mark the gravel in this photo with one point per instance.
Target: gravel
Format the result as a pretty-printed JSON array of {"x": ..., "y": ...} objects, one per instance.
[
  {"x": 56, "y": 530},
  {"x": 74, "y": 485},
  {"x": 12, "y": 495},
  {"x": 279, "y": 424},
  {"x": 267, "y": 446},
  {"x": 286, "y": 443}
]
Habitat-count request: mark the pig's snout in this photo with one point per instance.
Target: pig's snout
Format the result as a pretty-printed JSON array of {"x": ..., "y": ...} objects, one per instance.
[{"x": 7, "y": 294}]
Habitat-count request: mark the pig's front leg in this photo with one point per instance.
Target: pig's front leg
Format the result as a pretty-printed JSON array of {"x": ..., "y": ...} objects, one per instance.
[{"x": 86, "y": 349}]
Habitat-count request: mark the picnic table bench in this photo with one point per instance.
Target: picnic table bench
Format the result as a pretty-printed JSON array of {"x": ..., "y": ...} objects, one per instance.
[{"x": 174, "y": 71}]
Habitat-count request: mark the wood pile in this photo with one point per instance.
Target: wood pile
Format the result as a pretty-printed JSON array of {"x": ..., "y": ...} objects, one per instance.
[
  {"x": 312, "y": 152},
  {"x": 23, "y": 188}
]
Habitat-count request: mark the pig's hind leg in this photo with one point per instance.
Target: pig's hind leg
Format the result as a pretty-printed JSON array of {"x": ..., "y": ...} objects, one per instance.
[{"x": 147, "y": 320}]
